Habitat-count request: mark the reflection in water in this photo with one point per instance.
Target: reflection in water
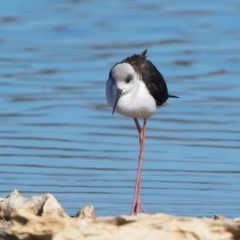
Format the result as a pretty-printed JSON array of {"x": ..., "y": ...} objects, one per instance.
[{"x": 57, "y": 133}]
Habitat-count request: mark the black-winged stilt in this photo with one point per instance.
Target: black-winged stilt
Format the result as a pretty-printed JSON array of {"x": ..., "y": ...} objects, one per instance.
[{"x": 135, "y": 88}]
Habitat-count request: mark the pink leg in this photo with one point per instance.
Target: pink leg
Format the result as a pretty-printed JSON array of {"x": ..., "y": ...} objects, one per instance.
[
  {"x": 136, "y": 206},
  {"x": 137, "y": 183},
  {"x": 142, "y": 155}
]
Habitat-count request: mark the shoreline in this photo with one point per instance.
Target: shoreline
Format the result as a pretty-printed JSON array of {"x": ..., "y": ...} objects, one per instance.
[{"x": 42, "y": 217}]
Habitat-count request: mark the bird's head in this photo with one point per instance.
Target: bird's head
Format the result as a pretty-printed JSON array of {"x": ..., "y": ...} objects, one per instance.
[{"x": 124, "y": 80}]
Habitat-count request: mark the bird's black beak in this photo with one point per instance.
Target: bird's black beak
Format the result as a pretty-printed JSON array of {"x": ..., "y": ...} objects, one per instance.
[{"x": 119, "y": 93}]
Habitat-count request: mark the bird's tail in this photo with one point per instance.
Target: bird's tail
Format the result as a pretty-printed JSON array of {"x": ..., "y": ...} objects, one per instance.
[{"x": 172, "y": 96}]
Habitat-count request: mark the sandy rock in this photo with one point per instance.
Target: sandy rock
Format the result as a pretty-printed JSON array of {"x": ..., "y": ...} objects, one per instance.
[
  {"x": 3, "y": 225},
  {"x": 27, "y": 226},
  {"x": 42, "y": 218},
  {"x": 237, "y": 220},
  {"x": 220, "y": 217},
  {"x": 44, "y": 205},
  {"x": 86, "y": 212},
  {"x": 39, "y": 205}
]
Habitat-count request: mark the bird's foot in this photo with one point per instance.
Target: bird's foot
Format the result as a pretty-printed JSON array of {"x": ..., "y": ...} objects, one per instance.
[{"x": 137, "y": 207}]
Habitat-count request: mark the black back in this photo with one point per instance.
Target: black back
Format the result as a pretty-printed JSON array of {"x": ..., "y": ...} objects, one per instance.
[{"x": 150, "y": 76}]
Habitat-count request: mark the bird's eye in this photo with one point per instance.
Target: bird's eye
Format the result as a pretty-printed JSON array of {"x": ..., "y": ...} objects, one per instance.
[{"x": 129, "y": 78}]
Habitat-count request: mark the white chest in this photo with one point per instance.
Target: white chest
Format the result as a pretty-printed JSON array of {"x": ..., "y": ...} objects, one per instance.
[{"x": 137, "y": 103}]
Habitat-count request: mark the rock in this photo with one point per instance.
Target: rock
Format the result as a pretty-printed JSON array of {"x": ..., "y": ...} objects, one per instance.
[
  {"x": 45, "y": 205},
  {"x": 3, "y": 225},
  {"x": 43, "y": 218},
  {"x": 237, "y": 220},
  {"x": 86, "y": 212},
  {"x": 27, "y": 226},
  {"x": 39, "y": 205},
  {"x": 220, "y": 217}
]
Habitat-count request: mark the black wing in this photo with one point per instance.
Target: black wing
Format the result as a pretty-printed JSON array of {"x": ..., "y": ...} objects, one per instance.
[{"x": 151, "y": 76}]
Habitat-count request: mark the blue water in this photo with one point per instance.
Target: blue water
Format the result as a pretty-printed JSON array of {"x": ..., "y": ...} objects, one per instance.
[{"x": 57, "y": 133}]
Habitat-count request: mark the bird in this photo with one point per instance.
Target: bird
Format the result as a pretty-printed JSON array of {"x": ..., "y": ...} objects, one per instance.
[{"x": 135, "y": 89}]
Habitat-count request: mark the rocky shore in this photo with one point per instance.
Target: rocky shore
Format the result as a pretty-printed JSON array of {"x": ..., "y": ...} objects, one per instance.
[{"x": 43, "y": 218}]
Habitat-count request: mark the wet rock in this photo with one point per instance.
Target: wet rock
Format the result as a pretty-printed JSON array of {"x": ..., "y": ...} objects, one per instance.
[{"x": 26, "y": 225}]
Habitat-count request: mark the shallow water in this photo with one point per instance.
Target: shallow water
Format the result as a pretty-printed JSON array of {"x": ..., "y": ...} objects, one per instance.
[{"x": 57, "y": 133}]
